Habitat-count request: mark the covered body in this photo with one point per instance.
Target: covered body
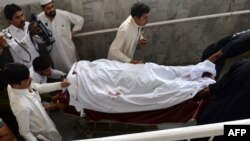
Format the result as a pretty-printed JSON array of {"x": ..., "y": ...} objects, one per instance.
[{"x": 114, "y": 87}]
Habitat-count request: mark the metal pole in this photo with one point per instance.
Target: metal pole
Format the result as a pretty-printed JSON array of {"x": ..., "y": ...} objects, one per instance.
[{"x": 170, "y": 22}]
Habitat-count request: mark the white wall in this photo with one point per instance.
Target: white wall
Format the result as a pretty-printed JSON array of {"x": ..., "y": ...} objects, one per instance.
[{"x": 18, "y": 2}]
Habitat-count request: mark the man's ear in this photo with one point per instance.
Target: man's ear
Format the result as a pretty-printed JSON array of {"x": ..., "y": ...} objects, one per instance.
[{"x": 10, "y": 22}]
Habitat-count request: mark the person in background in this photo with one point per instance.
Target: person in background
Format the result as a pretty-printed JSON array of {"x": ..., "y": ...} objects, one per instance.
[
  {"x": 25, "y": 103},
  {"x": 231, "y": 46},
  {"x": 41, "y": 70},
  {"x": 24, "y": 42},
  {"x": 229, "y": 98},
  {"x": 63, "y": 53},
  {"x": 129, "y": 35}
]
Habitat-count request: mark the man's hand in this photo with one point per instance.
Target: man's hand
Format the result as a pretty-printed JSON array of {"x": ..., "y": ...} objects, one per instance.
[
  {"x": 3, "y": 42},
  {"x": 55, "y": 98},
  {"x": 54, "y": 106},
  {"x": 136, "y": 62},
  {"x": 59, "y": 106},
  {"x": 65, "y": 83},
  {"x": 6, "y": 134},
  {"x": 143, "y": 41},
  {"x": 204, "y": 93},
  {"x": 34, "y": 29}
]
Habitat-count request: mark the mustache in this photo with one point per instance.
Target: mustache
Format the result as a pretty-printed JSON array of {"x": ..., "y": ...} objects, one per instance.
[
  {"x": 22, "y": 22},
  {"x": 51, "y": 14}
]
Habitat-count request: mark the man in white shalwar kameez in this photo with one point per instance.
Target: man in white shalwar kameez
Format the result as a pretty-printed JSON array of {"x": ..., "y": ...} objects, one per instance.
[
  {"x": 23, "y": 45},
  {"x": 25, "y": 102},
  {"x": 129, "y": 35},
  {"x": 63, "y": 53}
]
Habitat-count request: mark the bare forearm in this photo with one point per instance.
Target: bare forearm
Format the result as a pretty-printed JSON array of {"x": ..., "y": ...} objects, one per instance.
[
  {"x": 54, "y": 106},
  {"x": 215, "y": 56},
  {"x": 49, "y": 107}
]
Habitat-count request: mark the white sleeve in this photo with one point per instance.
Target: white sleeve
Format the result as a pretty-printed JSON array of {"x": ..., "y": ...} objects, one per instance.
[
  {"x": 76, "y": 20},
  {"x": 35, "y": 78},
  {"x": 56, "y": 74},
  {"x": 115, "y": 51},
  {"x": 16, "y": 44},
  {"x": 46, "y": 87},
  {"x": 23, "y": 120}
]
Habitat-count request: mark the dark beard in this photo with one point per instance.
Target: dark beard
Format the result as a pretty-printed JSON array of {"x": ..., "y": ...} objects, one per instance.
[
  {"x": 51, "y": 14},
  {"x": 21, "y": 25}
]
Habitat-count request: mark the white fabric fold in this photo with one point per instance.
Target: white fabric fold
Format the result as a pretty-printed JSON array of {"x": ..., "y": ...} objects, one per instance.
[{"x": 114, "y": 87}]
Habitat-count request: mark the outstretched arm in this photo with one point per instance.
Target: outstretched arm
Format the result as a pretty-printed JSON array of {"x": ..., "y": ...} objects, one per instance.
[
  {"x": 217, "y": 55},
  {"x": 50, "y": 87}
]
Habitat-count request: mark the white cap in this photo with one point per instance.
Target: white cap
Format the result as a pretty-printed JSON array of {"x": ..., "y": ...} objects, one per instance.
[{"x": 43, "y": 2}]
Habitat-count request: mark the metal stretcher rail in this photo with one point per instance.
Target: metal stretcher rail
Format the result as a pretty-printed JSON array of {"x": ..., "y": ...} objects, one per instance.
[{"x": 185, "y": 133}]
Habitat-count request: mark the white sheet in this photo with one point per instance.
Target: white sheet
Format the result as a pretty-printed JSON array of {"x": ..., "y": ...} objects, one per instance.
[{"x": 114, "y": 87}]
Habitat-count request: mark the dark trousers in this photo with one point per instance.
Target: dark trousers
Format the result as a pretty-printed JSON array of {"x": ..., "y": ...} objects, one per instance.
[{"x": 231, "y": 96}]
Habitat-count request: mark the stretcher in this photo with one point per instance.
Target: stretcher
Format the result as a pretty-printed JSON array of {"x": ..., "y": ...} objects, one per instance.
[
  {"x": 182, "y": 113},
  {"x": 187, "y": 111},
  {"x": 139, "y": 94}
]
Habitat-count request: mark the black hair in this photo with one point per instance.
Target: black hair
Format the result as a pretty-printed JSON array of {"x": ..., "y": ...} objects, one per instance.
[
  {"x": 14, "y": 73},
  {"x": 41, "y": 63},
  {"x": 10, "y": 10},
  {"x": 138, "y": 9},
  {"x": 3, "y": 83}
]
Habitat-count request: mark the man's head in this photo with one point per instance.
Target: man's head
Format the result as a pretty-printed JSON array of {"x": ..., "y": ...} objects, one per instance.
[
  {"x": 14, "y": 14},
  {"x": 42, "y": 66},
  {"x": 17, "y": 75},
  {"x": 140, "y": 13},
  {"x": 3, "y": 42},
  {"x": 48, "y": 7}
]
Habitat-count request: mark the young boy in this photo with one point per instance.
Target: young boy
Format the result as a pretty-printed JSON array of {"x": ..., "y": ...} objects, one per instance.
[
  {"x": 129, "y": 35},
  {"x": 41, "y": 70},
  {"x": 25, "y": 103}
]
